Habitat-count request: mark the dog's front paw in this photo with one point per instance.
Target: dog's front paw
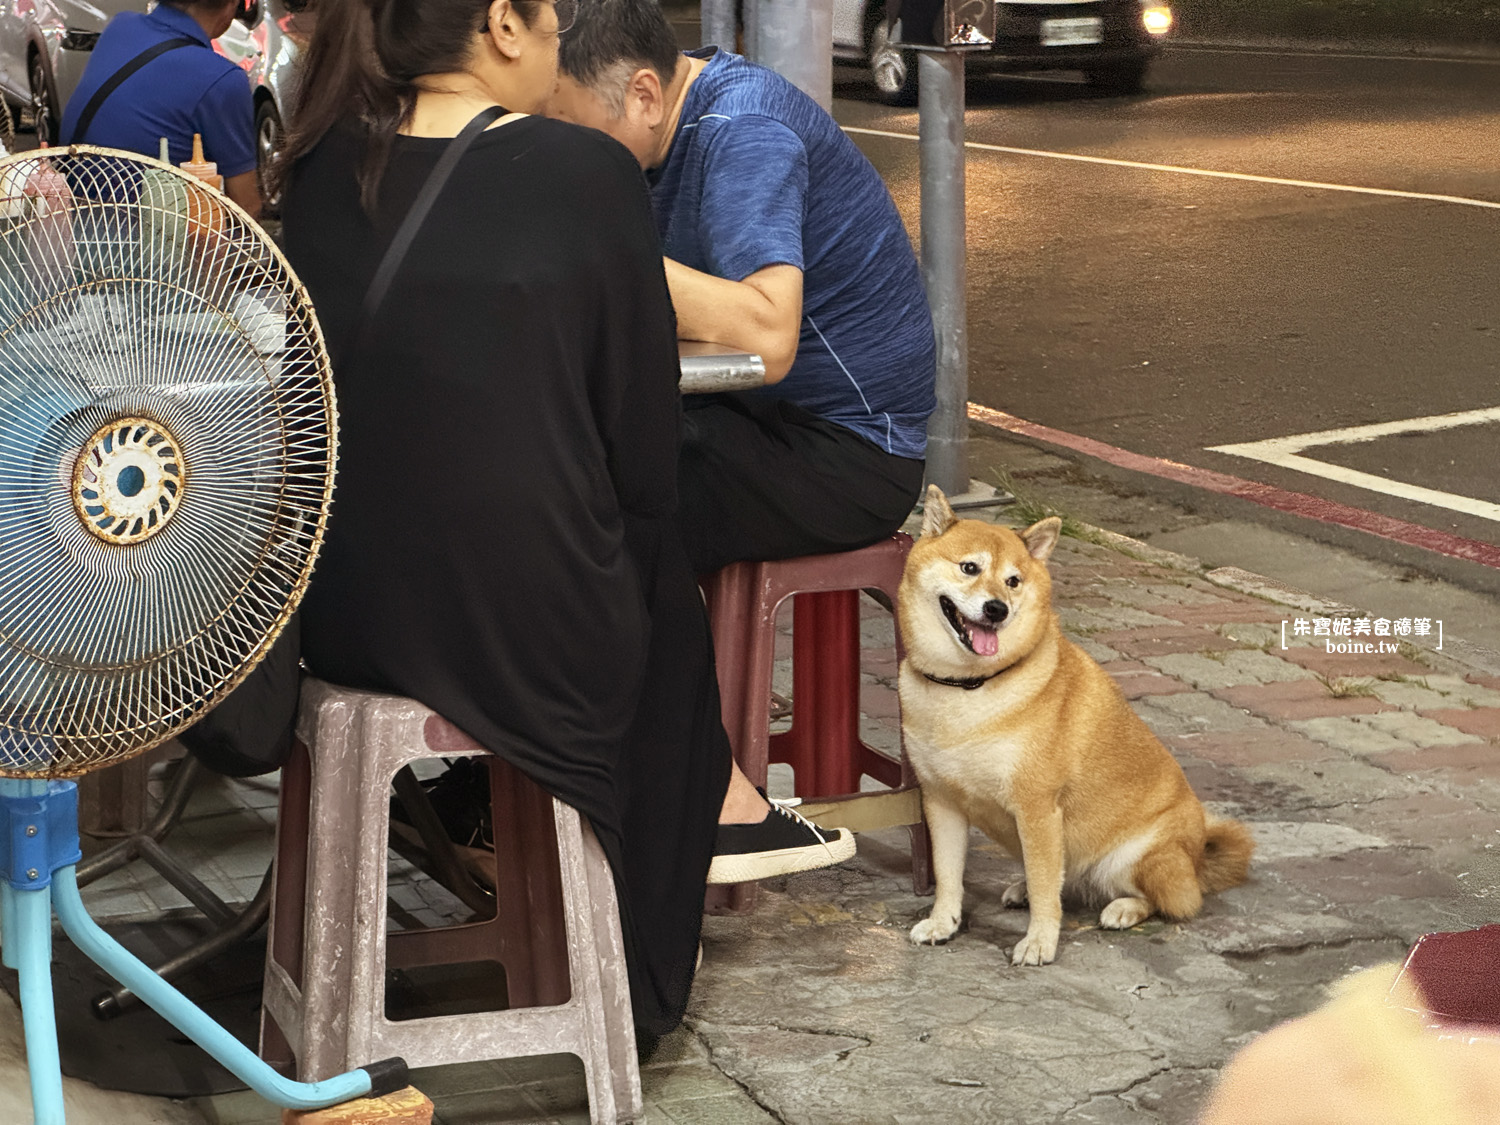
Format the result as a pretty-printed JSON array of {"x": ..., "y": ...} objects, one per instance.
[
  {"x": 1038, "y": 947},
  {"x": 935, "y": 929},
  {"x": 1015, "y": 894}
]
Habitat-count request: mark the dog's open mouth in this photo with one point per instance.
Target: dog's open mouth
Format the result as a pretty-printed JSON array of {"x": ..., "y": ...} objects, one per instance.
[{"x": 979, "y": 637}]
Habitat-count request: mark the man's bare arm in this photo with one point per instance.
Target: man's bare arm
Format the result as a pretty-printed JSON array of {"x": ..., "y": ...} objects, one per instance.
[
  {"x": 762, "y": 314},
  {"x": 244, "y": 189}
]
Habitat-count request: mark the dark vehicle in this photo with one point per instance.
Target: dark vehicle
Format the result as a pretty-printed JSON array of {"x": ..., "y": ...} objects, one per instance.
[{"x": 1111, "y": 42}]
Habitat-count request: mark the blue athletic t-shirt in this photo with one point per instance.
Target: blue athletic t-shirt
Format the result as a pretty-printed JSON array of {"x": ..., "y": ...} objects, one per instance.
[
  {"x": 760, "y": 175},
  {"x": 185, "y": 91}
]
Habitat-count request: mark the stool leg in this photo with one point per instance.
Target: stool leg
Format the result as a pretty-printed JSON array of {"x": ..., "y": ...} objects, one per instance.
[
  {"x": 619, "y": 1025},
  {"x": 288, "y": 897},
  {"x": 528, "y": 890},
  {"x": 744, "y": 646},
  {"x": 823, "y": 745},
  {"x": 583, "y": 964}
]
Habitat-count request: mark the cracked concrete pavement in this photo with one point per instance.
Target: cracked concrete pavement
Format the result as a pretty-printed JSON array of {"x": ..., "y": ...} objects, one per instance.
[{"x": 1371, "y": 784}]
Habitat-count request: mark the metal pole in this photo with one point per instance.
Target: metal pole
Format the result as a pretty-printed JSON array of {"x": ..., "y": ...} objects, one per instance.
[
  {"x": 940, "y": 113},
  {"x": 795, "y": 39},
  {"x": 718, "y": 23}
]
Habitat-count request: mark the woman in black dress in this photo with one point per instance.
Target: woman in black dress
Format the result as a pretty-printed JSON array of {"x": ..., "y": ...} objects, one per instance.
[{"x": 500, "y": 546}]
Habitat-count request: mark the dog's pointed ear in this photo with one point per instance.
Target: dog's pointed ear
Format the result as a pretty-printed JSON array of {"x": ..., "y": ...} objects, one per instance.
[
  {"x": 1041, "y": 537},
  {"x": 937, "y": 517}
]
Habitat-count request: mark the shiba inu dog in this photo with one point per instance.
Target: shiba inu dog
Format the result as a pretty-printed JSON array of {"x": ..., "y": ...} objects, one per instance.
[{"x": 1013, "y": 728}]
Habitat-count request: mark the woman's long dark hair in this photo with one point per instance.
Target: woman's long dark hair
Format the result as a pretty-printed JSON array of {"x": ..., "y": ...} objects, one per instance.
[{"x": 363, "y": 61}]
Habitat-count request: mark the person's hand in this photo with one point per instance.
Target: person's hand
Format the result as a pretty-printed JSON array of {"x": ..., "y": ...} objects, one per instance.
[{"x": 1365, "y": 1058}]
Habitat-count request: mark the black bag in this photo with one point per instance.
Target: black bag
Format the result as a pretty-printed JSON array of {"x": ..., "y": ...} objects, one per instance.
[{"x": 250, "y": 731}]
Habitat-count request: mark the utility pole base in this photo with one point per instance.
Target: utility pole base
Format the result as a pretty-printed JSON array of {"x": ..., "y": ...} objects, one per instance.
[{"x": 405, "y": 1107}]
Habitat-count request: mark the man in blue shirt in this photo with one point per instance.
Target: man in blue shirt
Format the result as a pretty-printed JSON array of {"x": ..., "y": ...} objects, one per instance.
[
  {"x": 189, "y": 88},
  {"x": 782, "y": 240}
]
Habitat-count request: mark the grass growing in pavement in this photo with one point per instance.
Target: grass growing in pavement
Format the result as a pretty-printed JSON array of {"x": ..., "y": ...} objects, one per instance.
[
  {"x": 1398, "y": 678},
  {"x": 1413, "y": 653},
  {"x": 1029, "y": 509},
  {"x": 1345, "y": 688}
]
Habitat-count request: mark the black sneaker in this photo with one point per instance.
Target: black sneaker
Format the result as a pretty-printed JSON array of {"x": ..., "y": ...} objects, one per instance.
[{"x": 784, "y": 843}]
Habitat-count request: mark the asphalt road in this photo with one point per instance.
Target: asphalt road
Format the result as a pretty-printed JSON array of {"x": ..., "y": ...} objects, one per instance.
[{"x": 1166, "y": 313}]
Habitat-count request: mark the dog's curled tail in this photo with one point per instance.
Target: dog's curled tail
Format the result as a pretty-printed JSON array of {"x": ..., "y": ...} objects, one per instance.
[{"x": 1226, "y": 856}]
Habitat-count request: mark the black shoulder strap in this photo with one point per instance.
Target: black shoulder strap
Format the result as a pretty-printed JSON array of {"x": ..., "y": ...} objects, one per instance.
[
  {"x": 111, "y": 84},
  {"x": 407, "y": 232}
]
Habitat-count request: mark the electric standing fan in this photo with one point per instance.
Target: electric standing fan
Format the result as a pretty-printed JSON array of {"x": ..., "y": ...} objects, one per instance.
[{"x": 167, "y": 442}]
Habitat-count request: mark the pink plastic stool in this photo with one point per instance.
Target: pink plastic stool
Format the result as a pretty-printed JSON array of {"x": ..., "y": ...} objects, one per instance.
[
  {"x": 823, "y": 747},
  {"x": 555, "y": 929}
]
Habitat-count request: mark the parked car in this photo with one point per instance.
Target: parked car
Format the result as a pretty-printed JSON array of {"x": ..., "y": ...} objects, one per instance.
[
  {"x": 1111, "y": 41},
  {"x": 45, "y": 44}
]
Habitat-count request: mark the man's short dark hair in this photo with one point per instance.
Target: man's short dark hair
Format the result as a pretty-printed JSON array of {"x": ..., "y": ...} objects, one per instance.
[{"x": 612, "y": 40}]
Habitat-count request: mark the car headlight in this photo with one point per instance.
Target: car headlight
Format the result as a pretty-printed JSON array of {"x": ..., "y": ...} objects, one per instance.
[{"x": 1157, "y": 19}]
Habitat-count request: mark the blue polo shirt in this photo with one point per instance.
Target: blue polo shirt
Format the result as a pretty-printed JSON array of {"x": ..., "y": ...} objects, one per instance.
[
  {"x": 185, "y": 91},
  {"x": 760, "y": 175}
]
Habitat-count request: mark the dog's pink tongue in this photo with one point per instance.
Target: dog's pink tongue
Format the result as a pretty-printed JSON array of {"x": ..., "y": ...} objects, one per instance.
[{"x": 986, "y": 641}]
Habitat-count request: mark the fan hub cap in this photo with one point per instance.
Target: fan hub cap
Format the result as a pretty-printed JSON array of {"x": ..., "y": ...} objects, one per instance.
[{"x": 127, "y": 481}]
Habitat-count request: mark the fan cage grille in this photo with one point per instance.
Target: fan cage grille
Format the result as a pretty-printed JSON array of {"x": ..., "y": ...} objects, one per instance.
[{"x": 145, "y": 569}]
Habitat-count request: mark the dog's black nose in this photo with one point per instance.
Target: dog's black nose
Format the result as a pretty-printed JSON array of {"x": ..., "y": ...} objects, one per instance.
[{"x": 995, "y": 610}]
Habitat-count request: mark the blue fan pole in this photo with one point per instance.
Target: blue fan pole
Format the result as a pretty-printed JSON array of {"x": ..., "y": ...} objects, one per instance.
[
  {"x": 26, "y": 930},
  {"x": 37, "y": 875}
]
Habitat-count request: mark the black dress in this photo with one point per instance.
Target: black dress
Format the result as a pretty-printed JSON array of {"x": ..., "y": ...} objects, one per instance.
[{"x": 501, "y": 546}]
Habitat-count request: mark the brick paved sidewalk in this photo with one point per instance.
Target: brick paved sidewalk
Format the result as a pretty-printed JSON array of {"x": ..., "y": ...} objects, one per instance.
[{"x": 1371, "y": 783}]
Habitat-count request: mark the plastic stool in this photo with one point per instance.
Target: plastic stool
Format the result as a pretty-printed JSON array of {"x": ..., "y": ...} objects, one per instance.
[
  {"x": 823, "y": 747},
  {"x": 556, "y": 927}
]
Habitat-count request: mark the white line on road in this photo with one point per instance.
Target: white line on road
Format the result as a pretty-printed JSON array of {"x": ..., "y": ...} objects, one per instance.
[
  {"x": 1278, "y": 180},
  {"x": 1286, "y": 452},
  {"x": 1295, "y": 443}
]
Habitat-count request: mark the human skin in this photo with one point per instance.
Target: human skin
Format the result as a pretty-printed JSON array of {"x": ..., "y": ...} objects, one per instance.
[{"x": 1368, "y": 1057}]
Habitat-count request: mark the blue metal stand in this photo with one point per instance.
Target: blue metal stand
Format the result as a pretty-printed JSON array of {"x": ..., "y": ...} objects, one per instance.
[{"x": 38, "y": 851}]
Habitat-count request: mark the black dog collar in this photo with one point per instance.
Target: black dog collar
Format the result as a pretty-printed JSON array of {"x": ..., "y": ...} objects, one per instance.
[{"x": 969, "y": 684}]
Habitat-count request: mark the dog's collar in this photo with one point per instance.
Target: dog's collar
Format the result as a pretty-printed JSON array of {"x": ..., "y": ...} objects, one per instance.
[{"x": 969, "y": 684}]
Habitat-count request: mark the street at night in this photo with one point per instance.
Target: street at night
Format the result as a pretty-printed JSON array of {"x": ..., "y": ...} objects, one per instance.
[{"x": 1124, "y": 298}]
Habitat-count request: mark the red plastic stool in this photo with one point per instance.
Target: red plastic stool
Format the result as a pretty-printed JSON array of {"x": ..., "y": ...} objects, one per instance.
[{"x": 823, "y": 747}]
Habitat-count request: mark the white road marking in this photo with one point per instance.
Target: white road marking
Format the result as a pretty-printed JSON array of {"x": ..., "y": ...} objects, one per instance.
[
  {"x": 1180, "y": 170},
  {"x": 1287, "y": 452},
  {"x": 1425, "y": 425}
]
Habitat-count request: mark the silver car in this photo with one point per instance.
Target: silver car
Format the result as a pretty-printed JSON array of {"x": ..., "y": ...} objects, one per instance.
[
  {"x": 45, "y": 44},
  {"x": 1110, "y": 41}
]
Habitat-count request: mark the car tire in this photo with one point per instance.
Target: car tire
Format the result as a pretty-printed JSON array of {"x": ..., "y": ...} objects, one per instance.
[
  {"x": 892, "y": 69},
  {"x": 269, "y": 136},
  {"x": 44, "y": 111},
  {"x": 1118, "y": 78}
]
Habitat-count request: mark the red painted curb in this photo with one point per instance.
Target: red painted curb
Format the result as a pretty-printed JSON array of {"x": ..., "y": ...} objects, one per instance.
[{"x": 1268, "y": 496}]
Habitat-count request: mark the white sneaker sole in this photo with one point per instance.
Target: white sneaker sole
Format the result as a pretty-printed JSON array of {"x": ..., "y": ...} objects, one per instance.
[{"x": 750, "y": 866}]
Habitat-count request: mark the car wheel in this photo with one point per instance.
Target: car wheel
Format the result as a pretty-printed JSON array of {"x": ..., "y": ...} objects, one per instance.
[
  {"x": 893, "y": 70},
  {"x": 1118, "y": 78},
  {"x": 43, "y": 100},
  {"x": 268, "y": 138}
]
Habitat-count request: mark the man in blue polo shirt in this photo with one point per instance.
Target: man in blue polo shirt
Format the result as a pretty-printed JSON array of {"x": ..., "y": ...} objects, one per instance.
[
  {"x": 782, "y": 240},
  {"x": 185, "y": 87}
]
